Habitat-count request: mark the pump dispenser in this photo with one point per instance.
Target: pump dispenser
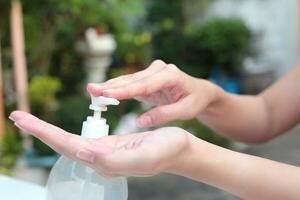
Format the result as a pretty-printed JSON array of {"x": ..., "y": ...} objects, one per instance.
[
  {"x": 95, "y": 127},
  {"x": 72, "y": 180}
]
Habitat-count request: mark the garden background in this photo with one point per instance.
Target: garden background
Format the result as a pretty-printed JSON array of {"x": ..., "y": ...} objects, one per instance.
[{"x": 236, "y": 44}]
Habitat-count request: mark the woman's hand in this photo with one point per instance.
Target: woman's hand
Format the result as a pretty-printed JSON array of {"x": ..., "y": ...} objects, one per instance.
[
  {"x": 171, "y": 150},
  {"x": 141, "y": 154},
  {"x": 176, "y": 94}
]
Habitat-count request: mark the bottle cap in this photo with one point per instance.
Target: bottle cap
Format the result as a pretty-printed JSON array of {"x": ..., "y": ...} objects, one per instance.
[{"x": 95, "y": 126}]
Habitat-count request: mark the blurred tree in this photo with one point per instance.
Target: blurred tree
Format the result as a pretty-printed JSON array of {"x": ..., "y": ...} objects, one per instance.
[
  {"x": 195, "y": 10},
  {"x": 2, "y": 131},
  {"x": 167, "y": 23},
  {"x": 42, "y": 95},
  {"x": 18, "y": 54},
  {"x": 219, "y": 43},
  {"x": 52, "y": 28},
  {"x": 42, "y": 91},
  {"x": 134, "y": 48},
  {"x": 10, "y": 147}
]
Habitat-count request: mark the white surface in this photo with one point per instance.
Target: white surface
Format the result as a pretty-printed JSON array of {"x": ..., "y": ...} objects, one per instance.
[{"x": 13, "y": 189}]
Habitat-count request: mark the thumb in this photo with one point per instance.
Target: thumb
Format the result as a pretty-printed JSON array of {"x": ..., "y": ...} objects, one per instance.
[{"x": 164, "y": 114}]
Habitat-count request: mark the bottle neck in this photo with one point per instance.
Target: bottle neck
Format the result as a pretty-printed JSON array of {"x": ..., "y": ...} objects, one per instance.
[{"x": 94, "y": 128}]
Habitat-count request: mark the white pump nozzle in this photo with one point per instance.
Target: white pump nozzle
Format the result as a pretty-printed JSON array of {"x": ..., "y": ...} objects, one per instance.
[
  {"x": 100, "y": 101},
  {"x": 100, "y": 104},
  {"x": 96, "y": 126}
]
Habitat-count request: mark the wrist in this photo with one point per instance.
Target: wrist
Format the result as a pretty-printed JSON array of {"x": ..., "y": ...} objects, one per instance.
[
  {"x": 193, "y": 157},
  {"x": 216, "y": 96}
]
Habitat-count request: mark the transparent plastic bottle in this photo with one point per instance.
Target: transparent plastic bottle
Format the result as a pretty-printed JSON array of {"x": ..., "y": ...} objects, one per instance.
[{"x": 70, "y": 180}]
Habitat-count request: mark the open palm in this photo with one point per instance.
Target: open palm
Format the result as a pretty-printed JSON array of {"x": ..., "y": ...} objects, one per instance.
[{"x": 140, "y": 154}]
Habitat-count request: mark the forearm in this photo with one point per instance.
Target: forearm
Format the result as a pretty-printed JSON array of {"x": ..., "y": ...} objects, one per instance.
[
  {"x": 239, "y": 117},
  {"x": 257, "y": 118},
  {"x": 243, "y": 175}
]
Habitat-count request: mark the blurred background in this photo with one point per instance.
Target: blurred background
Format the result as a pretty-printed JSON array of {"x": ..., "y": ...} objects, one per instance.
[{"x": 50, "y": 49}]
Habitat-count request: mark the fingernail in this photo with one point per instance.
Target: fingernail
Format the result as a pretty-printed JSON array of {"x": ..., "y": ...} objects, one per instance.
[
  {"x": 145, "y": 121},
  {"x": 86, "y": 156},
  {"x": 20, "y": 127},
  {"x": 11, "y": 118}
]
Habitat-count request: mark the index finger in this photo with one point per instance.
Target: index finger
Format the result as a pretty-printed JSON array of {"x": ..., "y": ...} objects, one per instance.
[
  {"x": 143, "y": 87},
  {"x": 58, "y": 139},
  {"x": 97, "y": 89}
]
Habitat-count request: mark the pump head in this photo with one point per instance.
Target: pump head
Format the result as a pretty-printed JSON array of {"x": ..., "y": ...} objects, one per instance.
[
  {"x": 99, "y": 104},
  {"x": 95, "y": 126}
]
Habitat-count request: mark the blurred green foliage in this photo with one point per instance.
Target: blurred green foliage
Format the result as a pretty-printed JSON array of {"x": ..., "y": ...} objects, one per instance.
[
  {"x": 134, "y": 48},
  {"x": 167, "y": 23},
  {"x": 56, "y": 70},
  {"x": 144, "y": 30},
  {"x": 221, "y": 43},
  {"x": 52, "y": 28},
  {"x": 10, "y": 147},
  {"x": 197, "y": 46},
  {"x": 72, "y": 112},
  {"x": 41, "y": 93}
]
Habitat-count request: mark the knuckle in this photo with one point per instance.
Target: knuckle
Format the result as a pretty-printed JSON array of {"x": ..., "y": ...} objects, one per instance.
[
  {"x": 157, "y": 63},
  {"x": 174, "y": 70},
  {"x": 172, "y": 67}
]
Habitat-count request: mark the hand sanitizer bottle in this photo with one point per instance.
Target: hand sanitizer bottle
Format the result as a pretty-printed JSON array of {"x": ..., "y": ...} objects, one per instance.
[{"x": 70, "y": 180}]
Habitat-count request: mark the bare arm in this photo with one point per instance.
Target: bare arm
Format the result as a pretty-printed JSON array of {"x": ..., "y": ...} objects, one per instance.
[
  {"x": 258, "y": 118},
  {"x": 246, "y": 176},
  {"x": 176, "y": 95},
  {"x": 175, "y": 151}
]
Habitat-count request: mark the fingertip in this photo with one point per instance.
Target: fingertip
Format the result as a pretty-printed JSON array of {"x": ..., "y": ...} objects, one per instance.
[
  {"x": 17, "y": 115},
  {"x": 12, "y": 116},
  {"x": 20, "y": 126},
  {"x": 145, "y": 121},
  {"x": 92, "y": 88},
  {"x": 24, "y": 126}
]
